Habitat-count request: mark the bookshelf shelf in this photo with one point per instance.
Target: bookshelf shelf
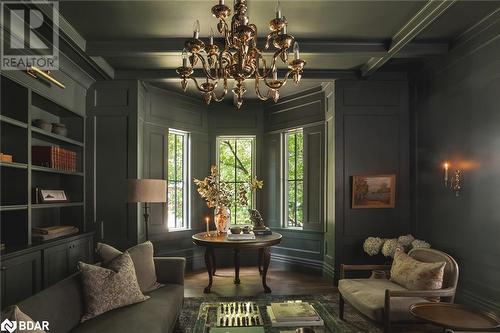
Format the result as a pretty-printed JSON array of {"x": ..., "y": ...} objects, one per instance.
[
  {"x": 7, "y": 208},
  {"x": 12, "y": 121},
  {"x": 52, "y": 170},
  {"x": 57, "y": 205},
  {"x": 13, "y": 165},
  {"x": 56, "y": 137}
]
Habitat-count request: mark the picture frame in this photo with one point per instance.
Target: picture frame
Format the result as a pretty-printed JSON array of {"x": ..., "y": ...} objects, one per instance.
[
  {"x": 52, "y": 196},
  {"x": 373, "y": 191}
]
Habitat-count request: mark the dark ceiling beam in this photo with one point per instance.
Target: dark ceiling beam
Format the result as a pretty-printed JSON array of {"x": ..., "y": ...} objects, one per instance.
[
  {"x": 162, "y": 46},
  {"x": 164, "y": 75},
  {"x": 425, "y": 16}
]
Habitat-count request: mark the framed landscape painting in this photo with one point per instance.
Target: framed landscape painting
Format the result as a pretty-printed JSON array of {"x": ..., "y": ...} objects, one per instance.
[{"x": 374, "y": 191}]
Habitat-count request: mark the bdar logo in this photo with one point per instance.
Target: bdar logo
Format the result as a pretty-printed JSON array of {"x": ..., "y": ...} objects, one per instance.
[{"x": 8, "y": 326}]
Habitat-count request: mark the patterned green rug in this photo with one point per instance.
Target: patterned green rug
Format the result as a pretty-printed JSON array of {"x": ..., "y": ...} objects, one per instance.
[{"x": 353, "y": 322}]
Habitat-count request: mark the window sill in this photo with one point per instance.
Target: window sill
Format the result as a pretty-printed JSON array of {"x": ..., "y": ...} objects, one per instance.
[
  {"x": 178, "y": 230},
  {"x": 298, "y": 230}
]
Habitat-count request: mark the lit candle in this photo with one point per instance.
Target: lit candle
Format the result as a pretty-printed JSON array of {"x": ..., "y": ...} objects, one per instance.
[
  {"x": 207, "y": 221},
  {"x": 211, "y": 42},
  {"x": 184, "y": 58},
  {"x": 196, "y": 29},
  {"x": 446, "y": 167},
  {"x": 296, "y": 51}
]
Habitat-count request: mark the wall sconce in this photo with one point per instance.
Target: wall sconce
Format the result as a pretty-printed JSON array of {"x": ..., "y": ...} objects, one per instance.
[{"x": 455, "y": 182}]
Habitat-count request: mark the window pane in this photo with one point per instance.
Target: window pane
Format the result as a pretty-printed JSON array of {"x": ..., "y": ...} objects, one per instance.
[
  {"x": 300, "y": 155},
  {"x": 236, "y": 165},
  {"x": 226, "y": 159},
  {"x": 243, "y": 160},
  {"x": 171, "y": 205},
  {"x": 171, "y": 156},
  {"x": 291, "y": 156},
  {"x": 294, "y": 165},
  {"x": 179, "y": 209},
  {"x": 299, "y": 202},
  {"x": 180, "y": 157}
]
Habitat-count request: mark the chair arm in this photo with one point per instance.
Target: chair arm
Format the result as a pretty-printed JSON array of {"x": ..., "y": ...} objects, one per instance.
[
  {"x": 170, "y": 269},
  {"x": 421, "y": 293},
  {"x": 347, "y": 268}
]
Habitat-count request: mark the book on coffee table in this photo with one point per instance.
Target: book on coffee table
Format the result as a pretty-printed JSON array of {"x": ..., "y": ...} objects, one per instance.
[
  {"x": 293, "y": 323},
  {"x": 294, "y": 311},
  {"x": 241, "y": 236}
]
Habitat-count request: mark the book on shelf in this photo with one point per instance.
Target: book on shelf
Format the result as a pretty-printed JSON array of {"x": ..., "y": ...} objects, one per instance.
[
  {"x": 37, "y": 236},
  {"x": 54, "y": 157},
  {"x": 294, "y": 311},
  {"x": 296, "y": 323},
  {"x": 52, "y": 229}
]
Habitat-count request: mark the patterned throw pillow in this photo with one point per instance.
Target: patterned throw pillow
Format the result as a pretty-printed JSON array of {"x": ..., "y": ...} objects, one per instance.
[
  {"x": 11, "y": 318},
  {"x": 142, "y": 256},
  {"x": 105, "y": 289},
  {"x": 416, "y": 275}
]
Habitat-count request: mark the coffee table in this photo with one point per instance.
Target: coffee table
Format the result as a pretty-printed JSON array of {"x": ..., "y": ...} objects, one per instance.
[
  {"x": 207, "y": 318},
  {"x": 262, "y": 243},
  {"x": 455, "y": 317}
]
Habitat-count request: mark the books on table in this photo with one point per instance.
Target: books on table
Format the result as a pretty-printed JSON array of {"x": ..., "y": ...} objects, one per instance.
[
  {"x": 293, "y": 314},
  {"x": 241, "y": 236}
]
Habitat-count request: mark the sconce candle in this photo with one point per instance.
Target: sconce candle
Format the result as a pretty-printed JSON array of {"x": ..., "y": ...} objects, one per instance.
[{"x": 446, "y": 167}]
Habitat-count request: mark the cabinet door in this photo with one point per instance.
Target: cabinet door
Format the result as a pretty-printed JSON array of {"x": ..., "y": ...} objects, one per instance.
[
  {"x": 79, "y": 250},
  {"x": 21, "y": 277},
  {"x": 55, "y": 264}
]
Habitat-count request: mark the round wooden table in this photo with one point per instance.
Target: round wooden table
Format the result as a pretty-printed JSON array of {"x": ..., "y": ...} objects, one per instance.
[
  {"x": 455, "y": 317},
  {"x": 262, "y": 243}
]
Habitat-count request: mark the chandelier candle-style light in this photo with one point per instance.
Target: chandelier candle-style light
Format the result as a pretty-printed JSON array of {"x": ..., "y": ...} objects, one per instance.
[{"x": 239, "y": 58}]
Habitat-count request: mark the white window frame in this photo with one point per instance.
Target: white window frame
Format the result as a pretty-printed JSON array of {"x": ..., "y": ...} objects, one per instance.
[
  {"x": 284, "y": 178},
  {"x": 186, "y": 183},
  {"x": 220, "y": 138}
]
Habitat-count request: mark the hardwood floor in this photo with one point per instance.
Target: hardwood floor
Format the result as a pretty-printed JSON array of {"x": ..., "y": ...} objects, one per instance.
[{"x": 281, "y": 282}]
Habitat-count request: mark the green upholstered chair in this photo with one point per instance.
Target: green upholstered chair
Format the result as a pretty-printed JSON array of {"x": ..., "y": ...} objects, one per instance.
[{"x": 384, "y": 301}]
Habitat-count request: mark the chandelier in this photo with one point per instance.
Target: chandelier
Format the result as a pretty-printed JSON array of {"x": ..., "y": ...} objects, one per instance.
[{"x": 239, "y": 58}]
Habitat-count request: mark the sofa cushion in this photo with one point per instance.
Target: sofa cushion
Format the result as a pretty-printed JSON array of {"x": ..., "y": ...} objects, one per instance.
[
  {"x": 109, "y": 288},
  {"x": 416, "y": 275},
  {"x": 368, "y": 297},
  {"x": 157, "y": 315},
  {"x": 15, "y": 315},
  {"x": 142, "y": 256}
]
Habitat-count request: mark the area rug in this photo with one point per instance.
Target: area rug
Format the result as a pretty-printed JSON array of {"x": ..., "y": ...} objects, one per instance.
[{"x": 353, "y": 322}]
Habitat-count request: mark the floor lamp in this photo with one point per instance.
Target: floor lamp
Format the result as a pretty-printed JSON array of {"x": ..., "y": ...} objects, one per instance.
[{"x": 147, "y": 191}]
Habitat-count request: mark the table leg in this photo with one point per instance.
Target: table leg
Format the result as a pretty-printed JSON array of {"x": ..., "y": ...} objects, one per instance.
[
  {"x": 259, "y": 262},
  {"x": 209, "y": 256},
  {"x": 236, "y": 266},
  {"x": 266, "y": 254},
  {"x": 214, "y": 265}
]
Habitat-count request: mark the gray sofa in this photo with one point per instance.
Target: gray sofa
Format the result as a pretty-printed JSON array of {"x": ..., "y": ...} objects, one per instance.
[{"x": 62, "y": 305}]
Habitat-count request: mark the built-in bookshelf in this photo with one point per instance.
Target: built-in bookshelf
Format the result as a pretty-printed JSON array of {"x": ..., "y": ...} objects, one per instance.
[{"x": 21, "y": 207}]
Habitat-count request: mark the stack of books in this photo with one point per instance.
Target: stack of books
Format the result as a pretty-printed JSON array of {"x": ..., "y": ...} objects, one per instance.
[
  {"x": 54, "y": 157},
  {"x": 47, "y": 233},
  {"x": 262, "y": 232},
  {"x": 293, "y": 314},
  {"x": 241, "y": 236}
]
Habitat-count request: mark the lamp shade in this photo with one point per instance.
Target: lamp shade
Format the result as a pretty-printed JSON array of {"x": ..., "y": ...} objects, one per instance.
[{"x": 147, "y": 190}]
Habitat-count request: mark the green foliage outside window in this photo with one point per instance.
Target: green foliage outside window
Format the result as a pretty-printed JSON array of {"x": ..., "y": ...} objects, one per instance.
[
  {"x": 176, "y": 182},
  {"x": 295, "y": 178},
  {"x": 236, "y": 167}
]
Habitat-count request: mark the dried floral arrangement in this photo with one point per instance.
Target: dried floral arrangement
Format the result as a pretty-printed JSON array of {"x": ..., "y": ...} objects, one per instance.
[{"x": 375, "y": 245}]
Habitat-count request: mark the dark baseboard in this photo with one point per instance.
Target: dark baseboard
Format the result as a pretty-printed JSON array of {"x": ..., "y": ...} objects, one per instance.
[{"x": 468, "y": 297}]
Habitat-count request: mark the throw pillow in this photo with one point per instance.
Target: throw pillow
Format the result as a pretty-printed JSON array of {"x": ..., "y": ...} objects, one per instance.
[
  {"x": 14, "y": 315},
  {"x": 110, "y": 287},
  {"x": 142, "y": 256},
  {"x": 416, "y": 275}
]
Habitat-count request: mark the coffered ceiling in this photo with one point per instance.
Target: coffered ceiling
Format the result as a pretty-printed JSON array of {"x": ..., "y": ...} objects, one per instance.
[{"x": 143, "y": 39}]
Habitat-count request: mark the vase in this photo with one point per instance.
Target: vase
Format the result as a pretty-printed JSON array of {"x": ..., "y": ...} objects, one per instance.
[{"x": 222, "y": 220}]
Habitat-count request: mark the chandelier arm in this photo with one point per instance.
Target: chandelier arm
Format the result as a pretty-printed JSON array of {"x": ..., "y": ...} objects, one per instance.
[
  {"x": 257, "y": 91},
  {"x": 221, "y": 97},
  {"x": 199, "y": 87},
  {"x": 269, "y": 70},
  {"x": 281, "y": 82},
  {"x": 206, "y": 70}
]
